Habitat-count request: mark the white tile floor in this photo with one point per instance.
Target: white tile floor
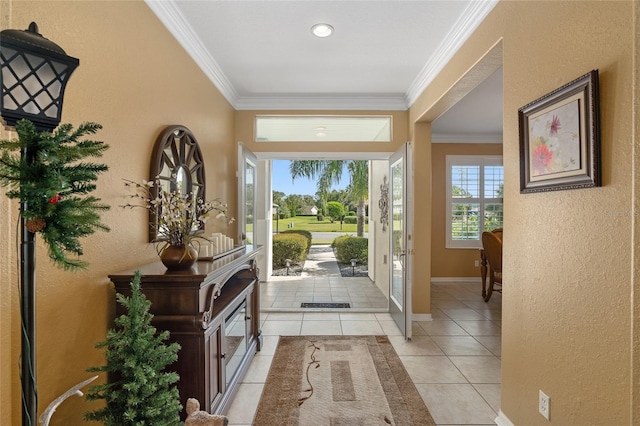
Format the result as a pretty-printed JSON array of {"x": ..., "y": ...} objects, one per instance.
[
  {"x": 453, "y": 360},
  {"x": 287, "y": 293}
]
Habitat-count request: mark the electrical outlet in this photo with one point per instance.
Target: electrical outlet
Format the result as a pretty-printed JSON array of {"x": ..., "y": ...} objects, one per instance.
[
  {"x": 543, "y": 404},
  {"x": 477, "y": 263}
]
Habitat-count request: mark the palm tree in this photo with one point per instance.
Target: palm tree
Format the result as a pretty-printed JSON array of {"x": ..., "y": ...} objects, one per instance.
[{"x": 329, "y": 172}]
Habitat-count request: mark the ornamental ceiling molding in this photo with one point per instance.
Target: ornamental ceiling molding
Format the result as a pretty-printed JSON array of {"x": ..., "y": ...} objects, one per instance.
[{"x": 173, "y": 19}]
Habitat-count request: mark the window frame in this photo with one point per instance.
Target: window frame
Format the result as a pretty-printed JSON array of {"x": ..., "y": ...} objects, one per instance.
[{"x": 469, "y": 160}]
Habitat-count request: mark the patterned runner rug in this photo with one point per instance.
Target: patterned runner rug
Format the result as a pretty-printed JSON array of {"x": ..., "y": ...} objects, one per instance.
[{"x": 339, "y": 381}]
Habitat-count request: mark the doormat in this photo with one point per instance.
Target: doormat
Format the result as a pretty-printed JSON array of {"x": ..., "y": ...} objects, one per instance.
[{"x": 325, "y": 305}]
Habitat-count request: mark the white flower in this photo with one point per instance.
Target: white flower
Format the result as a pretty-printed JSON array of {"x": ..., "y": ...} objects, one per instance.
[{"x": 180, "y": 216}]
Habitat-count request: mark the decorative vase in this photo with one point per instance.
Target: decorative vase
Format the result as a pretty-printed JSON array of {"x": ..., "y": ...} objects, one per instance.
[{"x": 175, "y": 258}]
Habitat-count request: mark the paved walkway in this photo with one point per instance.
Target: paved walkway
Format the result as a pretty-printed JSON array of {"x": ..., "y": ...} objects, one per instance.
[
  {"x": 321, "y": 262},
  {"x": 321, "y": 282}
]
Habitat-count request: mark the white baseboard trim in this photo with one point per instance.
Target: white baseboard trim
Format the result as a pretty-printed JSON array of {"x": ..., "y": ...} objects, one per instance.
[
  {"x": 421, "y": 317},
  {"x": 456, "y": 280},
  {"x": 503, "y": 420}
]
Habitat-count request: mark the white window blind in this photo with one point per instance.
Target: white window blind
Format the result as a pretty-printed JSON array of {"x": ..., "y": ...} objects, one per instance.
[{"x": 475, "y": 186}]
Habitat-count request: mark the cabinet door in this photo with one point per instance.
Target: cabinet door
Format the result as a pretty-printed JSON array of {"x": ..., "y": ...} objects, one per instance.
[{"x": 213, "y": 367}]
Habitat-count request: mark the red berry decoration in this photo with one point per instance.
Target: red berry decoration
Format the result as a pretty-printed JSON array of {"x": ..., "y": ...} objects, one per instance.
[{"x": 55, "y": 199}]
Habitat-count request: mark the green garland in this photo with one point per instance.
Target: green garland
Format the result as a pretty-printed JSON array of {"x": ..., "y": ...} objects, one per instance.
[{"x": 54, "y": 185}]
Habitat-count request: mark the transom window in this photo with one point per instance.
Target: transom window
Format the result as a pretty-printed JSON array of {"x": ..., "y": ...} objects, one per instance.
[
  {"x": 322, "y": 128},
  {"x": 475, "y": 187}
]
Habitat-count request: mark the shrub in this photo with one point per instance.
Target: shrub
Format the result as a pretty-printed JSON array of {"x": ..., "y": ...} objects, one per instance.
[
  {"x": 289, "y": 245},
  {"x": 336, "y": 210},
  {"x": 348, "y": 247},
  {"x": 351, "y": 213},
  {"x": 304, "y": 233},
  {"x": 354, "y": 219},
  {"x": 350, "y": 220},
  {"x": 320, "y": 218}
]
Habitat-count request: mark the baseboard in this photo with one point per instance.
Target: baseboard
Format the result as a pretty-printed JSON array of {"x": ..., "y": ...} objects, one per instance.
[
  {"x": 421, "y": 317},
  {"x": 442, "y": 280},
  {"x": 503, "y": 420}
]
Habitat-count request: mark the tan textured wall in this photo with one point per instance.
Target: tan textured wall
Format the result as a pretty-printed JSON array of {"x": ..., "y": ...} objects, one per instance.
[
  {"x": 134, "y": 79},
  {"x": 635, "y": 299},
  {"x": 567, "y": 266},
  {"x": 422, "y": 187},
  {"x": 447, "y": 262},
  {"x": 245, "y": 126}
]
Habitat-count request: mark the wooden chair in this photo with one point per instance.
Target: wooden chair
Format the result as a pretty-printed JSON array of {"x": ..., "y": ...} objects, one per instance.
[{"x": 492, "y": 247}]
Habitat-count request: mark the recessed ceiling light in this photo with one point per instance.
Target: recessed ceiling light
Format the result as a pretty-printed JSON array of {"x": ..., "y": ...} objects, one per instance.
[{"x": 322, "y": 30}]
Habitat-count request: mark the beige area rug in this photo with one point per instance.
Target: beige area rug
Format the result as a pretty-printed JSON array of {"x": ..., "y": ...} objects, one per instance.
[{"x": 339, "y": 381}]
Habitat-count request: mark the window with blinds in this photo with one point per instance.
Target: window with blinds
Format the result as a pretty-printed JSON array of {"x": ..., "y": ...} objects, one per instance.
[{"x": 475, "y": 186}]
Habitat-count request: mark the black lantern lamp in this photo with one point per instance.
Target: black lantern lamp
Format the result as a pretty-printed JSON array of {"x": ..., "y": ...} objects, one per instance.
[{"x": 34, "y": 73}]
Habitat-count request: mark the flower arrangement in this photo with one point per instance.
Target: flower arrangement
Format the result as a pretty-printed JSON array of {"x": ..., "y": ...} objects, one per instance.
[{"x": 179, "y": 215}]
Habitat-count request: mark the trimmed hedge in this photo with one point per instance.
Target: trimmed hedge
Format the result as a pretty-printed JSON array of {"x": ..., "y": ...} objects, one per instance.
[
  {"x": 304, "y": 233},
  {"x": 290, "y": 245},
  {"x": 354, "y": 219},
  {"x": 348, "y": 247}
]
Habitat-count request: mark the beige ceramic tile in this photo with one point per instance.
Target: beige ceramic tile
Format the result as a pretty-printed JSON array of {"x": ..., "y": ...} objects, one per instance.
[
  {"x": 491, "y": 394},
  {"x": 269, "y": 344},
  {"x": 281, "y": 328},
  {"x": 456, "y": 404},
  {"x": 460, "y": 345},
  {"x": 259, "y": 369},
  {"x": 431, "y": 369},
  {"x": 493, "y": 343},
  {"x": 390, "y": 328},
  {"x": 319, "y": 328},
  {"x": 480, "y": 328},
  {"x": 478, "y": 369},
  {"x": 463, "y": 314},
  {"x": 419, "y": 345},
  {"x": 355, "y": 328},
  {"x": 243, "y": 408},
  {"x": 322, "y": 316},
  {"x": 442, "y": 328},
  {"x": 285, "y": 316},
  {"x": 357, "y": 317}
]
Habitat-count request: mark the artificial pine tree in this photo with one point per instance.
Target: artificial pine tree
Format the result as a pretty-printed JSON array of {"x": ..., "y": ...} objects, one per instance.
[
  {"x": 54, "y": 184},
  {"x": 140, "y": 391}
]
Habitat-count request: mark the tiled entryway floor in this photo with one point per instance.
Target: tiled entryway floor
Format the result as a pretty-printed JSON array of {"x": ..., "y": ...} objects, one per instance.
[
  {"x": 287, "y": 293},
  {"x": 454, "y": 360}
]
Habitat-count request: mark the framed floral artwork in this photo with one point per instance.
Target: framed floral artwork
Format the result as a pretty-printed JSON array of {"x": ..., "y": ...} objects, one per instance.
[{"x": 560, "y": 138}]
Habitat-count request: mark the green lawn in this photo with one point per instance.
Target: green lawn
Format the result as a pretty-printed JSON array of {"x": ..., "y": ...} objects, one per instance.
[{"x": 311, "y": 223}]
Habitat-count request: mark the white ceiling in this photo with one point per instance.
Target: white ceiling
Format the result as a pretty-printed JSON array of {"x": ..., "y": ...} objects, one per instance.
[{"x": 261, "y": 54}]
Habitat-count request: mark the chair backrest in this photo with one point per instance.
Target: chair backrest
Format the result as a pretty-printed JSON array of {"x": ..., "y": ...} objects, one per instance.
[{"x": 492, "y": 245}]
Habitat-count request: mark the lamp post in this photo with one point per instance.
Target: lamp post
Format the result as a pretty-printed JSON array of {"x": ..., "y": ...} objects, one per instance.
[
  {"x": 34, "y": 73},
  {"x": 353, "y": 267}
]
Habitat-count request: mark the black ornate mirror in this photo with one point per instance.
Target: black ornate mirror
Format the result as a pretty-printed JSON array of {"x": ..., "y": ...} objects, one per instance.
[{"x": 177, "y": 163}]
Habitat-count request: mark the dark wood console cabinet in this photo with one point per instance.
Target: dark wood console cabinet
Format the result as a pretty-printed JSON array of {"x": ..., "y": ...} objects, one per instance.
[{"x": 213, "y": 312}]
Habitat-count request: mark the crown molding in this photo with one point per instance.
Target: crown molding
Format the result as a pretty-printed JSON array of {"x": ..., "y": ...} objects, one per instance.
[
  {"x": 472, "y": 16},
  {"x": 170, "y": 15},
  {"x": 323, "y": 102},
  {"x": 466, "y": 138}
]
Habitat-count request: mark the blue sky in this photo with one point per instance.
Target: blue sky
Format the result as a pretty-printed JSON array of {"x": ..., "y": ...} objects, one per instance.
[{"x": 281, "y": 180}]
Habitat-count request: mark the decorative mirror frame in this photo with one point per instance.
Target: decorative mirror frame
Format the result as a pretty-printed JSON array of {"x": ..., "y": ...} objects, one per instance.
[{"x": 176, "y": 148}]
